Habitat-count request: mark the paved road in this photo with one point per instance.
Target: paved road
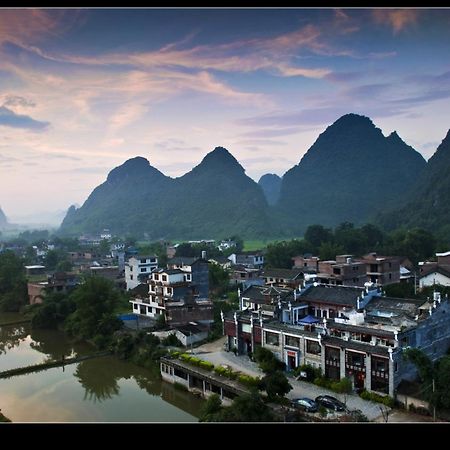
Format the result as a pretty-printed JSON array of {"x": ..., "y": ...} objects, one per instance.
[{"x": 214, "y": 353}]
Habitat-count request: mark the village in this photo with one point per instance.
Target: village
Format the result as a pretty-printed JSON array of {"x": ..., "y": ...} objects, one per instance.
[{"x": 328, "y": 320}]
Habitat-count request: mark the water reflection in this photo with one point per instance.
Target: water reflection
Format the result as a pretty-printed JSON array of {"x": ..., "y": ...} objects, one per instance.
[
  {"x": 55, "y": 343},
  {"x": 99, "y": 377},
  {"x": 11, "y": 336}
]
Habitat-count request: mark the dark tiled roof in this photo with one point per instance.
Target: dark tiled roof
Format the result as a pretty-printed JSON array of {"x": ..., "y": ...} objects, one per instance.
[
  {"x": 256, "y": 293},
  {"x": 291, "y": 329},
  {"x": 141, "y": 290},
  {"x": 396, "y": 306},
  {"x": 282, "y": 273},
  {"x": 183, "y": 260},
  {"x": 352, "y": 345},
  {"x": 360, "y": 329},
  {"x": 220, "y": 260},
  {"x": 190, "y": 328},
  {"x": 443, "y": 269},
  {"x": 337, "y": 295}
]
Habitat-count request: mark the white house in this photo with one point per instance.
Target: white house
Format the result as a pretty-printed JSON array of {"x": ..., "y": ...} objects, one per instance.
[
  {"x": 138, "y": 268},
  {"x": 434, "y": 275}
]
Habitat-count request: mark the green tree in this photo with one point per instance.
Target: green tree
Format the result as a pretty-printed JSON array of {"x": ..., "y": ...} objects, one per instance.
[
  {"x": 211, "y": 409},
  {"x": 219, "y": 279},
  {"x": 246, "y": 408},
  {"x": 443, "y": 383},
  {"x": 95, "y": 302},
  {"x": 13, "y": 285},
  {"x": 329, "y": 250},
  {"x": 318, "y": 234},
  {"x": 276, "y": 385},
  {"x": 267, "y": 361}
]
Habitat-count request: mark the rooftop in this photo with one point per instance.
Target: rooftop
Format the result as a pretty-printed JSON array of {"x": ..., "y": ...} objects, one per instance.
[
  {"x": 337, "y": 295},
  {"x": 282, "y": 273}
]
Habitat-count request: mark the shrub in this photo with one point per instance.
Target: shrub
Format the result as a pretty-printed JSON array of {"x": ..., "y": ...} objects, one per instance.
[
  {"x": 374, "y": 397},
  {"x": 311, "y": 372},
  {"x": 206, "y": 365},
  {"x": 249, "y": 381}
]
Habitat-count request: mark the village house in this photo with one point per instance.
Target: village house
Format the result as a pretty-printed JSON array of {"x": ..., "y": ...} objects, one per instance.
[
  {"x": 181, "y": 295},
  {"x": 345, "y": 332},
  {"x": 59, "y": 282},
  {"x": 244, "y": 276},
  {"x": 138, "y": 269},
  {"x": 435, "y": 272},
  {"x": 283, "y": 277},
  {"x": 251, "y": 260}
]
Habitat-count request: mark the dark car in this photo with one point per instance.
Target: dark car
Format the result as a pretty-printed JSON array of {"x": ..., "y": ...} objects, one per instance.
[
  {"x": 330, "y": 402},
  {"x": 305, "y": 404}
]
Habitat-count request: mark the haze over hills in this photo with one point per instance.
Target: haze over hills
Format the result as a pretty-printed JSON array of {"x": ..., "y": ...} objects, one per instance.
[
  {"x": 3, "y": 220},
  {"x": 428, "y": 205},
  {"x": 215, "y": 198},
  {"x": 351, "y": 173},
  {"x": 270, "y": 184}
]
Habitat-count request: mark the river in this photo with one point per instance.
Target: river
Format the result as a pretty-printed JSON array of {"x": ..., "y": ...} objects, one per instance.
[{"x": 103, "y": 389}]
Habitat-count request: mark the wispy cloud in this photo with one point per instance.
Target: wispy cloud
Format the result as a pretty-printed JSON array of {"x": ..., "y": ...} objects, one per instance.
[
  {"x": 397, "y": 19},
  {"x": 27, "y": 26},
  {"x": 9, "y": 118},
  {"x": 16, "y": 100}
]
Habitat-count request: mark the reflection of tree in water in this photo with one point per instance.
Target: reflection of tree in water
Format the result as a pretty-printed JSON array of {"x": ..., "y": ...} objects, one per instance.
[
  {"x": 11, "y": 336},
  {"x": 56, "y": 343},
  {"x": 185, "y": 401},
  {"x": 100, "y": 376}
]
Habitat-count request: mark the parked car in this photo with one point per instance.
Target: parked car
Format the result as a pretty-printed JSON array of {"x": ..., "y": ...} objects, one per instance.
[
  {"x": 305, "y": 404},
  {"x": 331, "y": 403}
]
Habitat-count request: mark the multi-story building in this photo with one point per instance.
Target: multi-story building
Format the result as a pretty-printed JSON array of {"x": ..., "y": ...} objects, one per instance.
[
  {"x": 382, "y": 270},
  {"x": 138, "y": 269},
  {"x": 59, "y": 282},
  {"x": 344, "y": 271},
  {"x": 245, "y": 276},
  {"x": 181, "y": 295},
  {"x": 364, "y": 341}
]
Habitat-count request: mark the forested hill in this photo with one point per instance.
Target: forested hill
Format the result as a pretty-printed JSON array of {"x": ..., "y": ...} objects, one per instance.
[
  {"x": 429, "y": 203},
  {"x": 350, "y": 172},
  {"x": 215, "y": 199}
]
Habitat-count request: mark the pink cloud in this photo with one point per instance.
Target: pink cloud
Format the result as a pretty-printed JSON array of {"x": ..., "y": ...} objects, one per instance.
[{"x": 398, "y": 19}]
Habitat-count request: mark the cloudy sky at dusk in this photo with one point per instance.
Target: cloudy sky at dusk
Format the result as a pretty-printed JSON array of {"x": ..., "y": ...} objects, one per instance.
[{"x": 81, "y": 91}]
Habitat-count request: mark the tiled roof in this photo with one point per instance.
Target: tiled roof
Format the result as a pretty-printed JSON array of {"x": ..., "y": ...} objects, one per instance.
[
  {"x": 337, "y": 295},
  {"x": 443, "y": 269},
  {"x": 282, "y": 273}
]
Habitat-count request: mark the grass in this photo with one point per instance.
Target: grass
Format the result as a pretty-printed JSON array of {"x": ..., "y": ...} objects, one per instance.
[{"x": 253, "y": 245}]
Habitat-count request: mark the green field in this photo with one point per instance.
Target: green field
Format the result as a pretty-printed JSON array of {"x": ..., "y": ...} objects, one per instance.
[{"x": 250, "y": 246}]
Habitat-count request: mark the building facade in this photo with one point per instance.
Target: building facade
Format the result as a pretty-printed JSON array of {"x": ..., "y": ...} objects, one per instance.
[{"x": 138, "y": 269}]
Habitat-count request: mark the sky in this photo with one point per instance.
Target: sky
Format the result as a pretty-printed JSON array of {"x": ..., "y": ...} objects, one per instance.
[{"x": 83, "y": 90}]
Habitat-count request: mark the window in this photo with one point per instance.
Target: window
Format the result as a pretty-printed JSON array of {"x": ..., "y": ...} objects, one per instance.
[
  {"x": 312, "y": 347},
  {"x": 152, "y": 260},
  {"x": 131, "y": 268},
  {"x": 272, "y": 338},
  {"x": 390, "y": 265},
  {"x": 135, "y": 306},
  {"x": 336, "y": 271},
  {"x": 292, "y": 341},
  {"x": 143, "y": 269},
  {"x": 131, "y": 277},
  {"x": 164, "y": 277},
  {"x": 390, "y": 276},
  {"x": 331, "y": 313},
  {"x": 156, "y": 276},
  {"x": 169, "y": 290},
  {"x": 143, "y": 261}
]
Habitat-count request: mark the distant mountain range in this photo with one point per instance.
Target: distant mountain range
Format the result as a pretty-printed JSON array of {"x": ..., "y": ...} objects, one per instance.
[
  {"x": 351, "y": 173},
  {"x": 215, "y": 199}
]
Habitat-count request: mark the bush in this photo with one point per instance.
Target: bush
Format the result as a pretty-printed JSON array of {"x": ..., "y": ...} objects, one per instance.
[
  {"x": 172, "y": 340},
  {"x": 206, "y": 365},
  {"x": 374, "y": 397},
  {"x": 323, "y": 382},
  {"x": 249, "y": 381},
  {"x": 311, "y": 372}
]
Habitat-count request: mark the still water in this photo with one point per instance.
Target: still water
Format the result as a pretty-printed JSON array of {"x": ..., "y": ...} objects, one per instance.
[{"x": 103, "y": 389}]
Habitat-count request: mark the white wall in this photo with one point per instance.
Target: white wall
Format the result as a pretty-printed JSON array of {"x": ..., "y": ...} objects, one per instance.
[{"x": 434, "y": 278}]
